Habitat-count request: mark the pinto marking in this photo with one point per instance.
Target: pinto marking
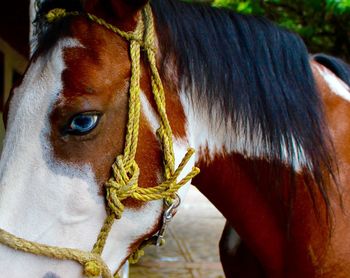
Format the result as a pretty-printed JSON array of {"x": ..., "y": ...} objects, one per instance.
[
  {"x": 336, "y": 85},
  {"x": 212, "y": 136},
  {"x": 264, "y": 107}
]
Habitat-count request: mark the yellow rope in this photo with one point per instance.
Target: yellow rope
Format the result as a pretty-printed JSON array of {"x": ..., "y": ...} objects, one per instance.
[
  {"x": 93, "y": 264},
  {"x": 123, "y": 183},
  {"x": 120, "y": 186}
]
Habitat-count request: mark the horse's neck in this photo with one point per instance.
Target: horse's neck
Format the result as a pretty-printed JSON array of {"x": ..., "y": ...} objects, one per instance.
[
  {"x": 228, "y": 181},
  {"x": 242, "y": 185}
]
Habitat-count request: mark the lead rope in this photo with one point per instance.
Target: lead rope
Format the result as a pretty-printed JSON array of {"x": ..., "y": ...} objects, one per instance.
[{"x": 125, "y": 171}]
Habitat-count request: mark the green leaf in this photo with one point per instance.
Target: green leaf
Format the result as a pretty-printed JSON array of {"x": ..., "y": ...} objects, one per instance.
[
  {"x": 245, "y": 7},
  {"x": 338, "y": 6}
]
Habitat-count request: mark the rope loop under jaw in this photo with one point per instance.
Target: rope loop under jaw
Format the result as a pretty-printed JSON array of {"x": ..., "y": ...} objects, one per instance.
[{"x": 123, "y": 183}]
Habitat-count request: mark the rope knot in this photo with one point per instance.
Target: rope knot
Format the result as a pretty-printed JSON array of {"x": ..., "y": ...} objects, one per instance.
[
  {"x": 121, "y": 185},
  {"x": 92, "y": 269}
]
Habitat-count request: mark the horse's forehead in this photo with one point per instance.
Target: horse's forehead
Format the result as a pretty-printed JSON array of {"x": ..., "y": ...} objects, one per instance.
[{"x": 101, "y": 63}]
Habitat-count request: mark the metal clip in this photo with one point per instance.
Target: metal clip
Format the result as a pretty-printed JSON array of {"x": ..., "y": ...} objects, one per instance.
[{"x": 167, "y": 217}]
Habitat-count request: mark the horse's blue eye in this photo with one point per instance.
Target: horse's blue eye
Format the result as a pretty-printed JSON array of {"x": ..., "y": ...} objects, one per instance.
[{"x": 83, "y": 123}]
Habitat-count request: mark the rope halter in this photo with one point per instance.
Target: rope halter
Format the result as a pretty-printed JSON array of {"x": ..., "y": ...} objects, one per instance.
[{"x": 123, "y": 182}]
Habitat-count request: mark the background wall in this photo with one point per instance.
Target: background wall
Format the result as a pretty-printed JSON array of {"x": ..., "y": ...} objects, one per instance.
[
  {"x": 14, "y": 48},
  {"x": 13, "y": 65}
]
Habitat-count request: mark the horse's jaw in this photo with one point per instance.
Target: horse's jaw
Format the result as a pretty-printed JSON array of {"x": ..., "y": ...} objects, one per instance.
[{"x": 46, "y": 201}]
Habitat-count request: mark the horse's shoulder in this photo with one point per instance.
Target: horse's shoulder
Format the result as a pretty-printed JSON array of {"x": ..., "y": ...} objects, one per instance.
[
  {"x": 329, "y": 85},
  {"x": 335, "y": 96}
]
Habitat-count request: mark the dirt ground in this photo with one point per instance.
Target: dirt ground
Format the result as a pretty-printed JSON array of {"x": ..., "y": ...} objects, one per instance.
[{"x": 191, "y": 248}]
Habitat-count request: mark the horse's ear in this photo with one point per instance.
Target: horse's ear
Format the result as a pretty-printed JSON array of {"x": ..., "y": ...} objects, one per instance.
[
  {"x": 37, "y": 11},
  {"x": 122, "y": 13}
]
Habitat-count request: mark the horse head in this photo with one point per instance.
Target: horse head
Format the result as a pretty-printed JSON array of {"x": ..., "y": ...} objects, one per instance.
[{"x": 67, "y": 122}]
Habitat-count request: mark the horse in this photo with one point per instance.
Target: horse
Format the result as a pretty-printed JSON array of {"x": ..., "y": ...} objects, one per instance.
[{"x": 269, "y": 124}]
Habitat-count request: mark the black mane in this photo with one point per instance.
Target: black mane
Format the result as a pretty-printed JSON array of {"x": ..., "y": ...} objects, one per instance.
[{"x": 258, "y": 74}]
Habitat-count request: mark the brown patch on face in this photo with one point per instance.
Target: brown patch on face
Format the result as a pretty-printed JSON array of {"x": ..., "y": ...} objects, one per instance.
[
  {"x": 97, "y": 80},
  {"x": 94, "y": 80}
]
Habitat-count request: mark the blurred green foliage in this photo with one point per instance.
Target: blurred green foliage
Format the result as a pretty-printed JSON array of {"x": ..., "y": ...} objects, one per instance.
[{"x": 323, "y": 24}]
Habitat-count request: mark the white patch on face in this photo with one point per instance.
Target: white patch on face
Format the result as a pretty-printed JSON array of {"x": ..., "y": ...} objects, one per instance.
[
  {"x": 47, "y": 201},
  {"x": 336, "y": 85},
  {"x": 211, "y": 132},
  {"x": 128, "y": 229},
  {"x": 42, "y": 200}
]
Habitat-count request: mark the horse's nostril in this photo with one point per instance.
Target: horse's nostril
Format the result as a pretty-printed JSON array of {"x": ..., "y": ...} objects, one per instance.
[{"x": 51, "y": 275}]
